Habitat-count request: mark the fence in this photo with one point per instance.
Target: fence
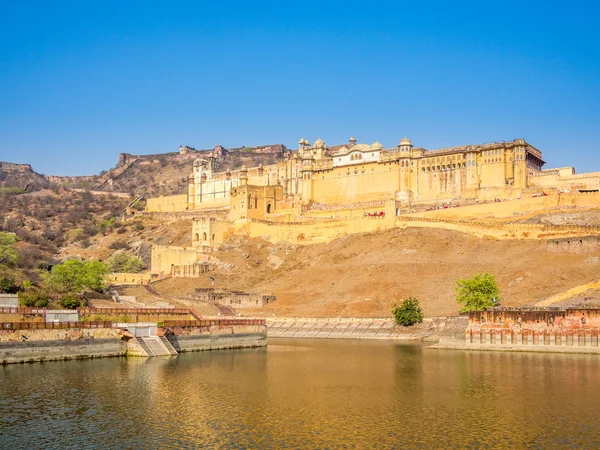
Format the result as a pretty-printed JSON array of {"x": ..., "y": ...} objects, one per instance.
[
  {"x": 88, "y": 311},
  {"x": 205, "y": 323},
  {"x": 52, "y": 325}
]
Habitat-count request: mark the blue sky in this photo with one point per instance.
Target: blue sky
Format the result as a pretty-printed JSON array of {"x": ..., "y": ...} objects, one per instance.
[{"x": 82, "y": 81}]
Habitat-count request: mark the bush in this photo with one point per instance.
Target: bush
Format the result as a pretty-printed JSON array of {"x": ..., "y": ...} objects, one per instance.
[
  {"x": 118, "y": 245},
  {"x": 8, "y": 285},
  {"x": 408, "y": 312},
  {"x": 30, "y": 299},
  {"x": 70, "y": 302},
  {"x": 123, "y": 263},
  {"x": 477, "y": 293}
]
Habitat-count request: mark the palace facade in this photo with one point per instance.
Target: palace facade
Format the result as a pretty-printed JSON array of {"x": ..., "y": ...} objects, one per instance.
[{"x": 361, "y": 173}]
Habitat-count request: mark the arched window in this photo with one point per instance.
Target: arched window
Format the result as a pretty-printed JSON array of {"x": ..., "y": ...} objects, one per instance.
[
  {"x": 197, "y": 237},
  {"x": 204, "y": 236},
  {"x": 255, "y": 202},
  {"x": 268, "y": 208},
  {"x": 213, "y": 238}
]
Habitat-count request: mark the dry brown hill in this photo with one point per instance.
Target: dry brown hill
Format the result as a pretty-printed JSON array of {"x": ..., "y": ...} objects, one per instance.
[{"x": 360, "y": 275}]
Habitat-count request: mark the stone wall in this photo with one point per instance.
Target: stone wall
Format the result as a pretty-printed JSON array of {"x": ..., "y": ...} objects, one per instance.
[
  {"x": 235, "y": 299},
  {"x": 190, "y": 339},
  {"x": 583, "y": 244},
  {"x": 52, "y": 345},
  {"x": 535, "y": 329},
  {"x": 432, "y": 329},
  {"x": 170, "y": 203},
  {"x": 129, "y": 278}
]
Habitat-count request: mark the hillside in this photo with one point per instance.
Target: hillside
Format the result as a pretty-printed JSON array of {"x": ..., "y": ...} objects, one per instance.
[
  {"x": 47, "y": 220},
  {"x": 361, "y": 275},
  {"x": 167, "y": 173}
]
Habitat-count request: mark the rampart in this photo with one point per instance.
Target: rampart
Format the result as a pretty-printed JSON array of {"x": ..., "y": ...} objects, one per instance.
[
  {"x": 235, "y": 299},
  {"x": 119, "y": 279}
]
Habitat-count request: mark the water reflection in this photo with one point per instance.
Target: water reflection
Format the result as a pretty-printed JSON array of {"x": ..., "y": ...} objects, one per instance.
[{"x": 310, "y": 393}]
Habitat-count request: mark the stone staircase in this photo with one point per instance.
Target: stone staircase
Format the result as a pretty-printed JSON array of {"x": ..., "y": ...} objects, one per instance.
[
  {"x": 156, "y": 346},
  {"x": 225, "y": 310}
]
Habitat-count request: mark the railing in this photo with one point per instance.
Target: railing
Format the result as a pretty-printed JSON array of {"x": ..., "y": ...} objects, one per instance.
[
  {"x": 205, "y": 323},
  {"x": 87, "y": 311},
  {"x": 19, "y": 310},
  {"x": 52, "y": 325}
]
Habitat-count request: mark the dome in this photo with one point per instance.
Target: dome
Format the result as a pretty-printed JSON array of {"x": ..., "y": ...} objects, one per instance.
[
  {"x": 405, "y": 141},
  {"x": 319, "y": 143},
  {"x": 376, "y": 146},
  {"x": 352, "y": 139},
  {"x": 301, "y": 141}
]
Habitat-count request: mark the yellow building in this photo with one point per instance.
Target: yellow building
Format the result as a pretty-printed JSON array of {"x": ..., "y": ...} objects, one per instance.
[{"x": 362, "y": 173}]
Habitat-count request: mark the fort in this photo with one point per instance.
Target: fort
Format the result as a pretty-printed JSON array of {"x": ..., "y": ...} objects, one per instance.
[{"x": 318, "y": 193}]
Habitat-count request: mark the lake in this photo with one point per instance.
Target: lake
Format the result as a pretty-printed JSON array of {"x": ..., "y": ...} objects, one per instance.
[{"x": 306, "y": 394}]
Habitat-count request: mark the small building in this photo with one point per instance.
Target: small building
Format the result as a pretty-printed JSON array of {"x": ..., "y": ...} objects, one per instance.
[
  {"x": 62, "y": 315},
  {"x": 9, "y": 301}
]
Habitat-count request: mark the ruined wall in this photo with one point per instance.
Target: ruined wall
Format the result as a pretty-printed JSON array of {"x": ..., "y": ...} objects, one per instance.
[
  {"x": 235, "y": 299},
  {"x": 582, "y": 244}
]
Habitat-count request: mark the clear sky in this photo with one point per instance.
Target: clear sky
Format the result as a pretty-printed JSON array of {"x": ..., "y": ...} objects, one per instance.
[{"x": 82, "y": 81}]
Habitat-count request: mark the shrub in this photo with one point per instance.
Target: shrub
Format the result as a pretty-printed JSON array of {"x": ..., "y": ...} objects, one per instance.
[
  {"x": 408, "y": 312},
  {"x": 477, "y": 293},
  {"x": 8, "y": 285},
  {"x": 139, "y": 226},
  {"x": 30, "y": 299},
  {"x": 118, "y": 245},
  {"x": 121, "y": 262},
  {"x": 70, "y": 302}
]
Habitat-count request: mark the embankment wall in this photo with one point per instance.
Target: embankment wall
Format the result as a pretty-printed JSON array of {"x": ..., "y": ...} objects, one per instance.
[
  {"x": 194, "y": 339},
  {"x": 17, "y": 346},
  {"x": 433, "y": 329}
]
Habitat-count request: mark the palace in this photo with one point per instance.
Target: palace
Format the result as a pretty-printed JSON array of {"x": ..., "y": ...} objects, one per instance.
[
  {"x": 361, "y": 173},
  {"x": 319, "y": 193}
]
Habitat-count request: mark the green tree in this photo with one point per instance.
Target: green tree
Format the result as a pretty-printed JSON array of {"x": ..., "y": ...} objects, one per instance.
[
  {"x": 122, "y": 262},
  {"x": 477, "y": 293},
  {"x": 408, "y": 312},
  {"x": 75, "y": 276},
  {"x": 8, "y": 254}
]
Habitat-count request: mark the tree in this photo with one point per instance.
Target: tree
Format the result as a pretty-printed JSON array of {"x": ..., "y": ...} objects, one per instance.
[
  {"x": 123, "y": 263},
  {"x": 75, "y": 276},
  {"x": 477, "y": 293},
  {"x": 8, "y": 254},
  {"x": 408, "y": 312}
]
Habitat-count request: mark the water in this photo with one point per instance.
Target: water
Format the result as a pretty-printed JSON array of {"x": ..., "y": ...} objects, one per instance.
[{"x": 306, "y": 394}]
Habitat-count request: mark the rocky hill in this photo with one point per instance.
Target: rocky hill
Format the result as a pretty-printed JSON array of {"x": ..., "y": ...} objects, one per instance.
[{"x": 166, "y": 173}]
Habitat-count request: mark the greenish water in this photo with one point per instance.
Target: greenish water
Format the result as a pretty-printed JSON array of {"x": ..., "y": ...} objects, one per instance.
[{"x": 306, "y": 394}]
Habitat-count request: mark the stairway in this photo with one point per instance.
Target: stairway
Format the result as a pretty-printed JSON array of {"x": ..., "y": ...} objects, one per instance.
[
  {"x": 156, "y": 346},
  {"x": 145, "y": 346},
  {"x": 225, "y": 310},
  {"x": 168, "y": 345}
]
